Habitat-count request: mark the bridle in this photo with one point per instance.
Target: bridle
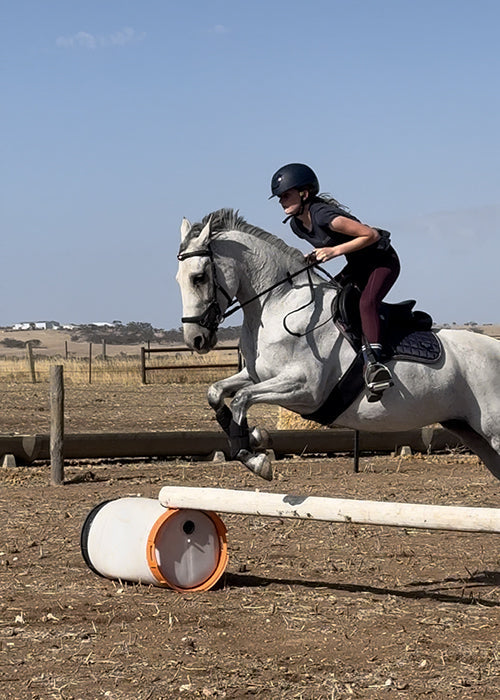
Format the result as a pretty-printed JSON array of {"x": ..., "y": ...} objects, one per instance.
[{"x": 213, "y": 316}]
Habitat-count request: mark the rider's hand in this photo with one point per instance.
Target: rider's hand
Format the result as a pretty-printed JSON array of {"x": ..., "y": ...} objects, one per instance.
[{"x": 327, "y": 253}]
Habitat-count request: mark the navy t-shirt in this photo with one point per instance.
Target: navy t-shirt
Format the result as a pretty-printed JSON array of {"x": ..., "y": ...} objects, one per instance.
[{"x": 321, "y": 235}]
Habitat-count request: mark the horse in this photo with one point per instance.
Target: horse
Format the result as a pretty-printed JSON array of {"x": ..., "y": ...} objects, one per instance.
[{"x": 294, "y": 354}]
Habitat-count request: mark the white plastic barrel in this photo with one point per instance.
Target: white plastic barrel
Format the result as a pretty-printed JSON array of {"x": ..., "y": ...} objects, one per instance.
[{"x": 138, "y": 539}]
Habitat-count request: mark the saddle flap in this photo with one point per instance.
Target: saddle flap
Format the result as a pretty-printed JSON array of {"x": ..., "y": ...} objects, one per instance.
[
  {"x": 398, "y": 319},
  {"x": 348, "y": 307}
]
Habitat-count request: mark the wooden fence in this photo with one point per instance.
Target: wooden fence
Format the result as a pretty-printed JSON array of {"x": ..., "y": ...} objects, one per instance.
[
  {"x": 37, "y": 367},
  {"x": 32, "y": 358},
  {"x": 146, "y": 353}
]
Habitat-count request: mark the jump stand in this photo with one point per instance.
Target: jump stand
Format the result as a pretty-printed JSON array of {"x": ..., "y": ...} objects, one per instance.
[{"x": 137, "y": 539}]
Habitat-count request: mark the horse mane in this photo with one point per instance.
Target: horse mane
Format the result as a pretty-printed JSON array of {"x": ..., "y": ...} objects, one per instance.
[{"x": 230, "y": 220}]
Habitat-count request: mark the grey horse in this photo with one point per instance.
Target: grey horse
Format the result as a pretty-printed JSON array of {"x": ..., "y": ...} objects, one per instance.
[{"x": 294, "y": 354}]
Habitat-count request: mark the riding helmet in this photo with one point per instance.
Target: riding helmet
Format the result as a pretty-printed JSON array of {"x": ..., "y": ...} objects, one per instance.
[{"x": 294, "y": 176}]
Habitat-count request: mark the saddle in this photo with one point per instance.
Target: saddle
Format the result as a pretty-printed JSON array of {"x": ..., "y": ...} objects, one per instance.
[{"x": 407, "y": 335}]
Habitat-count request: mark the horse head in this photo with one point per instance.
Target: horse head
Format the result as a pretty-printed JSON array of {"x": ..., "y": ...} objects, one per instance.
[{"x": 204, "y": 297}]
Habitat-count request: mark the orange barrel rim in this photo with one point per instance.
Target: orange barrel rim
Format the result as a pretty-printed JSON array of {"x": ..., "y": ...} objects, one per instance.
[{"x": 223, "y": 552}]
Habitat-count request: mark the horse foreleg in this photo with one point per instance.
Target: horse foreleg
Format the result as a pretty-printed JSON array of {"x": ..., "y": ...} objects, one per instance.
[
  {"x": 278, "y": 390},
  {"x": 240, "y": 437},
  {"x": 220, "y": 390},
  {"x": 285, "y": 389}
]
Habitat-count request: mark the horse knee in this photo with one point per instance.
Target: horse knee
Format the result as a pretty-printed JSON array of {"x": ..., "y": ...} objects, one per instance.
[{"x": 214, "y": 396}]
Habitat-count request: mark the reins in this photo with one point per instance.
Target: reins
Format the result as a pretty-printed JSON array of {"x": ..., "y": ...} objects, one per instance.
[
  {"x": 212, "y": 316},
  {"x": 289, "y": 277}
]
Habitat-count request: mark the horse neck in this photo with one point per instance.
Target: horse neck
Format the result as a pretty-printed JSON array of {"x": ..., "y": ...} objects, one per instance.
[{"x": 255, "y": 263}]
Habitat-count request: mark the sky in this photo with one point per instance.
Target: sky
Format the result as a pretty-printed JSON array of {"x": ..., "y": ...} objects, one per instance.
[{"x": 120, "y": 117}]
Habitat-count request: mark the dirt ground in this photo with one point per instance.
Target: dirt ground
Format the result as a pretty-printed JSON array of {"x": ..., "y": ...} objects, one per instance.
[{"x": 305, "y": 611}]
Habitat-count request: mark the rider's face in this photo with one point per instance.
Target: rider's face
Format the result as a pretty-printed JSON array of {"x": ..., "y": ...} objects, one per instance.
[{"x": 291, "y": 201}]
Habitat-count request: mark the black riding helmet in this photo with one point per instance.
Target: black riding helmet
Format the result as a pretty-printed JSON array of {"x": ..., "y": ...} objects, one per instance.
[{"x": 294, "y": 176}]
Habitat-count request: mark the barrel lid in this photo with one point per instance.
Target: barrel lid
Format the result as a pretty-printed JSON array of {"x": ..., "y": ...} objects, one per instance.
[{"x": 187, "y": 549}]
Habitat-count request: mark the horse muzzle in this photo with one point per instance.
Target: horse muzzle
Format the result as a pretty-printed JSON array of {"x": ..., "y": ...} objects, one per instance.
[{"x": 199, "y": 339}]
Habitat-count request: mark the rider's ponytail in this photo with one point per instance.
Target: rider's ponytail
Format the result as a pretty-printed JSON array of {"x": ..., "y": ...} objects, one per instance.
[{"x": 326, "y": 198}]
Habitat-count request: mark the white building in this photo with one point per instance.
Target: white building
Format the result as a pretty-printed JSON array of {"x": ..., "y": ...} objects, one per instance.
[{"x": 36, "y": 326}]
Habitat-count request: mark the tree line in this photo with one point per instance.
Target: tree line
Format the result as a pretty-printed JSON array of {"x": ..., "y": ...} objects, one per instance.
[{"x": 138, "y": 333}]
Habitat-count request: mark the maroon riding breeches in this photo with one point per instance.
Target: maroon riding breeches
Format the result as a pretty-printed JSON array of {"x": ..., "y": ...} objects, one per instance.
[{"x": 375, "y": 284}]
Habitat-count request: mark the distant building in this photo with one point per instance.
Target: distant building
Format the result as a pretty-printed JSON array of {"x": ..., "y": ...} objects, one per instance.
[{"x": 36, "y": 326}]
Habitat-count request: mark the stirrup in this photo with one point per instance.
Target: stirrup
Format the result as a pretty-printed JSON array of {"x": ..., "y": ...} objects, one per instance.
[{"x": 377, "y": 378}]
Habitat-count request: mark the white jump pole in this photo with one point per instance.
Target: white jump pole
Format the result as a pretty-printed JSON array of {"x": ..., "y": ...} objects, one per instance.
[{"x": 339, "y": 510}]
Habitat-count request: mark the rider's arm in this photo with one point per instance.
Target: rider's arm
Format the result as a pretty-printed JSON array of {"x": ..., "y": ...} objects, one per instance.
[{"x": 362, "y": 236}]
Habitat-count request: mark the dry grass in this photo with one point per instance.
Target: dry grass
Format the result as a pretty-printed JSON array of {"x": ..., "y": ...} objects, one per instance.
[
  {"x": 76, "y": 370},
  {"x": 180, "y": 367},
  {"x": 287, "y": 420}
]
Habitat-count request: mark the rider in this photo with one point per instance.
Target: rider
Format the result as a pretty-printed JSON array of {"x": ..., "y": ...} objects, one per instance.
[{"x": 372, "y": 263}]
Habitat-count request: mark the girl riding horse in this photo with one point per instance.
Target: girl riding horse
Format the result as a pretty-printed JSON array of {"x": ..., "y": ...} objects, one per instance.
[{"x": 372, "y": 263}]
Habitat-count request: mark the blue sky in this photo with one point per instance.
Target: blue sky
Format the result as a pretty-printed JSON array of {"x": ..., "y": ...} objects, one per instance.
[{"x": 120, "y": 117}]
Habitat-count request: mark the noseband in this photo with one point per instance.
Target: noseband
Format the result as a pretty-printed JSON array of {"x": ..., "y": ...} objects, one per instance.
[{"x": 212, "y": 316}]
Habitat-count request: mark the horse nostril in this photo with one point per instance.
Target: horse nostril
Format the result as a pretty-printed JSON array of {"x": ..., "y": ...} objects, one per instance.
[{"x": 198, "y": 342}]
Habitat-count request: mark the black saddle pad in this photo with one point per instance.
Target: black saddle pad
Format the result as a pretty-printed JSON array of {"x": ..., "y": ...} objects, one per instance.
[
  {"x": 416, "y": 346},
  {"x": 407, "y": 333}
]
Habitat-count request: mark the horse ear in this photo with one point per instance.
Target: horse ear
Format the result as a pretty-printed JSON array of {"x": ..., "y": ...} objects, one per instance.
[
  {"x": 205, "y": 233},
  {"x": 185, "y": 228}
]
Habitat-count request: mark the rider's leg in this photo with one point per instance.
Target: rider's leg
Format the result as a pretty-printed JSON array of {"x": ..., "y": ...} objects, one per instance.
[{"x": 377, "y": 375}]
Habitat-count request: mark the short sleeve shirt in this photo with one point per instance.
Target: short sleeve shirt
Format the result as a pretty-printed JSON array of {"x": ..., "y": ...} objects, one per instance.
[{"x": 321, "y": 235}]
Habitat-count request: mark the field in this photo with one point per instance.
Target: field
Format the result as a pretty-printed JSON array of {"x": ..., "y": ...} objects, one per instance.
[
  {"x": 305, "y": 611},
  {"x": 120, "y": 363},
  {"x": 99, "y": 363}
]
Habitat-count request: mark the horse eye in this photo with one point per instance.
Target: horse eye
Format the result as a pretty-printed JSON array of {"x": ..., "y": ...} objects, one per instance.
[{"x": 199, "y": 279}]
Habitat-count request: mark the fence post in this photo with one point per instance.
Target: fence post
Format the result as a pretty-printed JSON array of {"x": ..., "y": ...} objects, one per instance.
[
  {"x": 104, "y": 357},
  {"x": 56, "y": 425},
  {"x": 31, "y": 361},
  {"x": 90, "y": 363},
  {"x": 143, "y": 364}
]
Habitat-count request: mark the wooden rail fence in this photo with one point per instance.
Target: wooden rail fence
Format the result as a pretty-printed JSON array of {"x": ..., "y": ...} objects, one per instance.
[{"x": 146, "y": 353}]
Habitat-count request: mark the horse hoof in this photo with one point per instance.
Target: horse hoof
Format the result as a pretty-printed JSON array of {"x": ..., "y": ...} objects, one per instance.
[
  {"x": 259, "y": 464},
  {"x": 259, "y": 438}
]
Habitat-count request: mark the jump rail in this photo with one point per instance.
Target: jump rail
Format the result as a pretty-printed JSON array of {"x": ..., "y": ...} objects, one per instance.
[{"x": 339, "y": 510}]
